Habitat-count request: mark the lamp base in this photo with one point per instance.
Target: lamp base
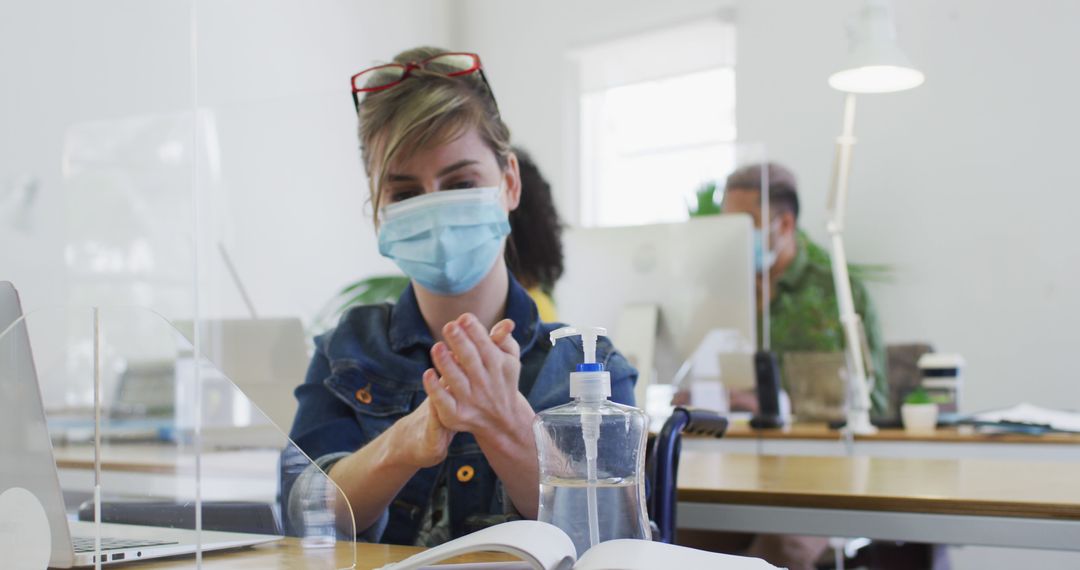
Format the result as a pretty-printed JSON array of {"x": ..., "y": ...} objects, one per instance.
[{"x": 858, "y": 423}]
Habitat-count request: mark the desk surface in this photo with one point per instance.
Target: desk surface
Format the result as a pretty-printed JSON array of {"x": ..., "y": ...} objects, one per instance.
[
  {"x": 288, "y": 555},
  {"x": 166, "y": 458},
  {"x": 820, "y": 431},
  {"x": 976, "y": 487}
]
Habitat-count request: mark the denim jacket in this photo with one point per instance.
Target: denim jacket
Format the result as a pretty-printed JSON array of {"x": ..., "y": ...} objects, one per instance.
[{"x": 366, "y": 375}]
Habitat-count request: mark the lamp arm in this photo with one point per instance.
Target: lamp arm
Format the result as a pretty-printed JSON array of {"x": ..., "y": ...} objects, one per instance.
[{"x": 858, "y": 413}]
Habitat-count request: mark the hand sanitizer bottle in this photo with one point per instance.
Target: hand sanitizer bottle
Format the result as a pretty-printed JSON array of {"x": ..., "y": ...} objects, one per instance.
[{"x": 592, "y": 457}]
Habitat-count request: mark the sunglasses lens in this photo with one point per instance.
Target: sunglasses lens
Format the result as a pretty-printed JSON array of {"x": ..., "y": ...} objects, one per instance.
[
  {"x": 378, "y": 77},
  {"x": 451, "y": 62}
]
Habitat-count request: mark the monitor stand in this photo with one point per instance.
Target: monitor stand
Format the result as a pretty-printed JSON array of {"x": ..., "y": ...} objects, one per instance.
[
  {"x": 767, "y": 382},
  {"x": 636, "y": 333}
]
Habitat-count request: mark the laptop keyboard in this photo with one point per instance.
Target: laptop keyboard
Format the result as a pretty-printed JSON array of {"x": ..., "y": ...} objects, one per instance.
[{"x": 84, "y": 544}]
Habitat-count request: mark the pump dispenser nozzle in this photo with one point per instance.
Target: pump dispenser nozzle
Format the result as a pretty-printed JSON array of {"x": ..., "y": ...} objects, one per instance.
[
  {"x": 591, "y": 381},
  {"x": 588, "y": 339}
]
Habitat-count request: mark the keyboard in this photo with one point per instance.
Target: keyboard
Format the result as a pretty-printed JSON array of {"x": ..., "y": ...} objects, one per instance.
[{"x": 84, "y": 544}]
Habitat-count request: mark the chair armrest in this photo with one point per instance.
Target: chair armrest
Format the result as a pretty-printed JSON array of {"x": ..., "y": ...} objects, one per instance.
[{"x": 705, "y": 422}]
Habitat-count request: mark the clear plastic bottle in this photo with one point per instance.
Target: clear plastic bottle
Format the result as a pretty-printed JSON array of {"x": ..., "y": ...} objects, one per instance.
[
  {"x": 319, "y": 527},
  {"x": 592, "y": 457}
]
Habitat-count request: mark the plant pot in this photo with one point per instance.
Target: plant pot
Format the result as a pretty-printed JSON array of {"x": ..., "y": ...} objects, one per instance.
[{"x": 919, "y": 418}]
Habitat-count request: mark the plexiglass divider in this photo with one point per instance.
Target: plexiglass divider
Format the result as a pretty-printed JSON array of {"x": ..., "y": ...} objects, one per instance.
[{"x": 117, "y": 426}]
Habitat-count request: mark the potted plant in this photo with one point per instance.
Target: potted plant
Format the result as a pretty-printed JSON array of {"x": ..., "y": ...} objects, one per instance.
[{"x": 919, "y": 412}]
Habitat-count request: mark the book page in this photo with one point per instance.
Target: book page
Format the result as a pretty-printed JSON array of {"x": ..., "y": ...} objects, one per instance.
[
  {"x": 630, "y": 554},
  {"x": 540, "y": 546}
]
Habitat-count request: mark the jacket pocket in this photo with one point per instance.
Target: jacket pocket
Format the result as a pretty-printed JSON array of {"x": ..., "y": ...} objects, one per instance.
[{"x": 369, "y": 393}]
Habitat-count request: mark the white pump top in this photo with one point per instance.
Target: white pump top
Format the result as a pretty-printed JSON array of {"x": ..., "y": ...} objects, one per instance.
[
  {"x": 591, "y": 382},
  {"x": 588, "y": 339}
]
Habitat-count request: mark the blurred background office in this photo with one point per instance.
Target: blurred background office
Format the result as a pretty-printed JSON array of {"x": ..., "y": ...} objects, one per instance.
[
  {"x": 960, "y": 186},
  {"x": 156, "y": 154}
]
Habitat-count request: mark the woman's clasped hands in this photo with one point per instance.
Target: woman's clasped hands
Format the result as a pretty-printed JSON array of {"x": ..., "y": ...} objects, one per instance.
[{"x": 473, "y": 386}]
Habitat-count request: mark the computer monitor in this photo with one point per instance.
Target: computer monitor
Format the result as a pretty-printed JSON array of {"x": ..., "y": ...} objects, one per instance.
[
  {"x": 700, "y": 276},
  {"x": 266, "y": 359}
]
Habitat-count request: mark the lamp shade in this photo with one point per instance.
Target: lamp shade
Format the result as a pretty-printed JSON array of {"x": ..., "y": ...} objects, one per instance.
[{"x": 875, "y": 62}]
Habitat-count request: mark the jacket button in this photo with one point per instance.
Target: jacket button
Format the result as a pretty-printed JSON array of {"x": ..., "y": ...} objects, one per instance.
[
  {"x": 363, "y": 395},
  {"x": 465, "y": 473}
]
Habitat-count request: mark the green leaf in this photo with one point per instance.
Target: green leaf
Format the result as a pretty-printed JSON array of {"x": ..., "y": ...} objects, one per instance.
[
  {"x": 918, "y": 396},
  {"x": 367, "y": 291},
  {"x": 707, "y": 204}
]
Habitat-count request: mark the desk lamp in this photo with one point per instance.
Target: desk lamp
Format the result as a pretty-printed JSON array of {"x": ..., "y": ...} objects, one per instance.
[{"x": 875, "y": 64}]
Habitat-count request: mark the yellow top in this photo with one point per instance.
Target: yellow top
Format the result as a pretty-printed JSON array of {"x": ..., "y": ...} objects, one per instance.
[{"x": 544, "y": 305}]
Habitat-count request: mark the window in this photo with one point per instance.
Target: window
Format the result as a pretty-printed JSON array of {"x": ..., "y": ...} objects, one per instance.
[{"x": 657, "y": 120}]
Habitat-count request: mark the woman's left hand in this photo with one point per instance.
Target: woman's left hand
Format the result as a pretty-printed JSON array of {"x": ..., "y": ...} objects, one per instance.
[{"x": 476, "y": 387}]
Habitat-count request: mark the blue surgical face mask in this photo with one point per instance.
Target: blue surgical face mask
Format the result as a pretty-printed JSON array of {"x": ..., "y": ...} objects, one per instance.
[
  {"x": 763, "y": 260},
  {"x": 446, "y": 241}
]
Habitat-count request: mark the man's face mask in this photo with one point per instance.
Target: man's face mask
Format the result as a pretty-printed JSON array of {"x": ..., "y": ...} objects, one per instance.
[
  {"x": 764, "y": 260},
  {"x": 446, "y": 241}
]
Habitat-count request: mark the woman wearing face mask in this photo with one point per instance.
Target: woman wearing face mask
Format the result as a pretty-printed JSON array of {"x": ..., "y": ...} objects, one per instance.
[{"x": 421, "y": 411}]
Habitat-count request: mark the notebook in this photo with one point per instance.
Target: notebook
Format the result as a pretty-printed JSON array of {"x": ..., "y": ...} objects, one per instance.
[{"x": 542, "y": 546}]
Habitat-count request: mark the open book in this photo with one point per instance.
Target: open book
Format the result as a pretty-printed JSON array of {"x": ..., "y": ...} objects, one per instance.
[{"x": 542, "y": 546}]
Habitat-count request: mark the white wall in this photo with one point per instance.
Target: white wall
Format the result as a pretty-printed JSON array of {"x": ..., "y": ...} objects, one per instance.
[
  {"x": 526, "y": 49},
  {"x": 279, "y": 86},
  {"x": 289, "y": 203},
  {"x": 961, "y": 186}
]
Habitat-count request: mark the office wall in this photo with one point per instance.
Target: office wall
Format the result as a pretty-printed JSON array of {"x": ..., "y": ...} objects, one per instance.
[
  {"x": 278, "y": 83},
  {"x": 284, "y": 189},
  {"x": 962, "y": 186}
]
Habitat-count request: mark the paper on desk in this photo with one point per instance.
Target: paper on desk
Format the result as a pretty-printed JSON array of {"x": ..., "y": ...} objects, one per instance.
[{"x": 1029, "y": 413}]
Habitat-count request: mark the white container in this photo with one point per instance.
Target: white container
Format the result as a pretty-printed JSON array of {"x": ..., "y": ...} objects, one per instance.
[
  {"x": 919, "y": 418},
  {"x": 942, "y": 379}
]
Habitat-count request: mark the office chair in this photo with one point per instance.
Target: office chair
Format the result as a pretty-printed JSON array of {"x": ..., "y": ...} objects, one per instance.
[{"x": 664, "y": 464}]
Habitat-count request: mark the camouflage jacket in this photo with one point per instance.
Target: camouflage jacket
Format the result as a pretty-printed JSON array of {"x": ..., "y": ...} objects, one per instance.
[{"x": 805, "y": 316}]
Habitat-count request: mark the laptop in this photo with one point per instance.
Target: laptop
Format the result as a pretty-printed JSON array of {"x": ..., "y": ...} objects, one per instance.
[{"x": 26, "y": 461}]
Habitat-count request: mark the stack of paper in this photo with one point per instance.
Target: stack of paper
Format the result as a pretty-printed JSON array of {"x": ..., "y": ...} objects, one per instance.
[{"x": 1060, "y": 420}]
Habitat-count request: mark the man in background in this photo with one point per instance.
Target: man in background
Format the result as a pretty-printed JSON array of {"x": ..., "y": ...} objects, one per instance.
[
  {"x": 804, "y": 317},
  {"x": 802, "y": 300}
]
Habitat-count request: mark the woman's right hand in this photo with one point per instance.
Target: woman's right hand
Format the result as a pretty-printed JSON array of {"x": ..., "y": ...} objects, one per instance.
[{"x": 421, "y": 439}]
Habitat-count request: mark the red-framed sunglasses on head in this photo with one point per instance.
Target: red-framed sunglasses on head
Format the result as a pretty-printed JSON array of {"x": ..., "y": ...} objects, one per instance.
[{"x": 382, "y": 77}]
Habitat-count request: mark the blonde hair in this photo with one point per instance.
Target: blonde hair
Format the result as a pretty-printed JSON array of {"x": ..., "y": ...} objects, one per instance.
[{"x": 425, "y": 109}]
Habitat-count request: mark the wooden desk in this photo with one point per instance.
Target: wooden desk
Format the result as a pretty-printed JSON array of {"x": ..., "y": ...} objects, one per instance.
[
  {"x": 945, "y": 443},
  {"x": 288, "y": 555},
  {"x": 165, "y": 471},
  {"x": 946, "y": 501}
]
